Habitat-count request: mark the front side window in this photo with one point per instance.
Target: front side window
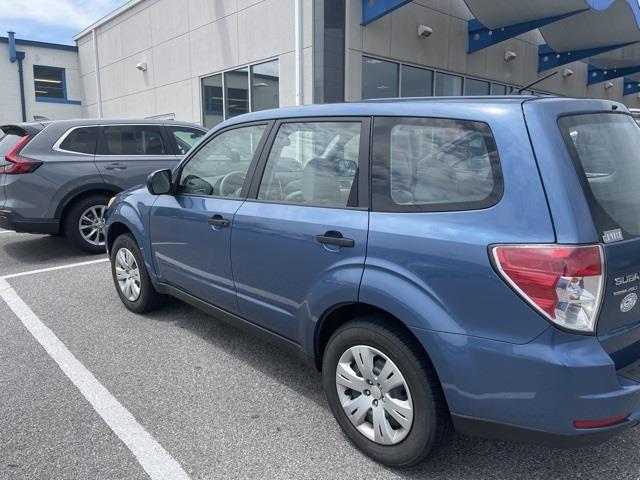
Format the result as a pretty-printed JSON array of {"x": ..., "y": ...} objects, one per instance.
[
  {"x": 605, "y": 147},
  {"x": 133, "y": 140},
  {"x": 81, "y": 140},
  {"x": 313, "y": 163},
  {"x": 220, "y": 167},
  {"x": 49, "y": 82},
  {"x": 428, "y": 164},
  {"x": 185, "y": 138}
]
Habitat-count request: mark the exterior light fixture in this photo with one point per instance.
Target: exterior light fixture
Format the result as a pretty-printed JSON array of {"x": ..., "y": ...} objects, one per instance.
[
  {"x": 509, "y": 56},
  {"x": 608, "y": 85},
  {"x": 424, "y": 31},
  {"x": 567, "y": 72},
  {"x": 142, "y": 66}
]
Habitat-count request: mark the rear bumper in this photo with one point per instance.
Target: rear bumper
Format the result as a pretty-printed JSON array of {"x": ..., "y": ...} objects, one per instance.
[
  {"x": 534, "y": 392},
  {"x": 10, "y": 220}
]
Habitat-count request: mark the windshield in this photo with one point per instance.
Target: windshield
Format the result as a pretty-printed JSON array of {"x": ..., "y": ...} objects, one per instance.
[{"x": 607, "y": 149}]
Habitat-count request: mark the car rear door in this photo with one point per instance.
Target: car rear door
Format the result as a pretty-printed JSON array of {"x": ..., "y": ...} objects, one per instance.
[
  {"x": 127, "y": 154},
  {"x": 9, "y": 137},
  {"x": 604, "y": 147},
  {"x": 300, "y": 239}
]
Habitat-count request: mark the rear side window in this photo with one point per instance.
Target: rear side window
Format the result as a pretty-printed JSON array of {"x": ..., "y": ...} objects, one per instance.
[
  {"x": 133, "y": 140},
  {"x": 7, "y": 142},
  {"x": 184, "y": 138},
  {"x": 81, "y": 140},
  {"x": 605, "y": 149},
  {"x": 431, "y": 164}
]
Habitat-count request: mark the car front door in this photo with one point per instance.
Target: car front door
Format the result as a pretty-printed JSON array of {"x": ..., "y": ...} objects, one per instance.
[
  {"x": 191, "y": 230},
  {"x": 300, "y": 239},
  {"x": 127, "y": 154}
]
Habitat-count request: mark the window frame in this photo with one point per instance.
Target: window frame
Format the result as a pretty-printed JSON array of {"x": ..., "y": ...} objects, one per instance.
[
  {"x": 165, "y": 138},
  {"x": 363, "y": 200},
  {"x": 63, "y": 79},
  {"x": 381, "y": 199},
  {"x": 177, "y": 172}
]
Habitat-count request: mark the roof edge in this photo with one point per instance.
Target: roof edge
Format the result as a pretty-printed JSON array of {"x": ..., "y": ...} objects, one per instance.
[
  {"x": 35, "y": 43},
  {"x": 108, "y": 17}
]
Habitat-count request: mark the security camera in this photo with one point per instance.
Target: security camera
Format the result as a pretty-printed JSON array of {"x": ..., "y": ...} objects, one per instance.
[
  {"x": 509, "y": 56},
  {"x": 424, "y": 31},
  {"x": 567, "y": 72},
  {"x": 142, "y": 66}
]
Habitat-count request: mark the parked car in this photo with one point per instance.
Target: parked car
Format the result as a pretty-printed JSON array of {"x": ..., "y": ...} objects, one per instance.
[
  {"x": 57, "y": 177},
  {"x": 468, "y": 264}
]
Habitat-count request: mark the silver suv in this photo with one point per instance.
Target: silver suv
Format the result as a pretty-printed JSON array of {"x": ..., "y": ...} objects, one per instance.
[{"x": 56, "y": 178}]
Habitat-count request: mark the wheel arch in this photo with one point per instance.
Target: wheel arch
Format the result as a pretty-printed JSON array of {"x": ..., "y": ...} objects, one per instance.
[
  {"x": 76, "y": 195},
  {"x": 339, "y": 315}
]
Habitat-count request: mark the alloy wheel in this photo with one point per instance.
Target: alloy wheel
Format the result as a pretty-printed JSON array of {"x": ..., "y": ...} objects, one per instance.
[{"x": 91, "y": 225}]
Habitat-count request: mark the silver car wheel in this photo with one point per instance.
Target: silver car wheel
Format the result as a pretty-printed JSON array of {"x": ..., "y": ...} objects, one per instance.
[
  {"x": 91, "y": 225},
  {"x": 128, "y": 274},
  {"x": 374, "y": 395}
]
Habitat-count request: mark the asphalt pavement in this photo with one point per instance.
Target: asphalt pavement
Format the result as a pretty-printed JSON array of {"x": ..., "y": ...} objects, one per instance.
[{"x": 220, "y": 403}]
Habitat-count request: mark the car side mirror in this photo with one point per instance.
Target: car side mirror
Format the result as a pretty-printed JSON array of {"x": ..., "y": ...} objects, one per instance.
[{"x": 159, "y": 182}]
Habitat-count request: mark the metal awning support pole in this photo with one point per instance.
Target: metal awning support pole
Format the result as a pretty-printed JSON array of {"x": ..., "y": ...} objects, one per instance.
[{"x": 298, "y": 52}]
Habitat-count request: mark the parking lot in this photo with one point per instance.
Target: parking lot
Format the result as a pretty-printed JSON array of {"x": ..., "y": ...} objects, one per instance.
[{"x": 90, "y": 390}]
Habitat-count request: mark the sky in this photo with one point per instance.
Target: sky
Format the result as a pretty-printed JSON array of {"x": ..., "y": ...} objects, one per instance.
[{"x": 55, "y": 21}]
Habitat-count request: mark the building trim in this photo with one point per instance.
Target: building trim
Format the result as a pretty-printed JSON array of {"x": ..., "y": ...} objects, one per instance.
[
  {"x": 107, "y": 18},
  {"x": 34, "y": 43}
]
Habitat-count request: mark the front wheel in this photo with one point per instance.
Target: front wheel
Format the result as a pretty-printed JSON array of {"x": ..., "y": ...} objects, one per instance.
[
  {"x": 131, "y": 278},
  {"x": 384, "y": 392}
]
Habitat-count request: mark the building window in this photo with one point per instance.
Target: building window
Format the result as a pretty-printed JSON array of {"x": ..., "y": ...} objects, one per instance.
[
  {"x": 416, "y": 82},
  {"x": 236, "y": 89},
  {"x": 49, "y": 82},
  {"x": 379, "y": 78},
  {"x": 448, "y": 85},
  {"x": 475, "y": 87},
  {"x": 239, "y": 91},
  {"x": 498, "y": 89},
  {"x": 265, "y": 86}
]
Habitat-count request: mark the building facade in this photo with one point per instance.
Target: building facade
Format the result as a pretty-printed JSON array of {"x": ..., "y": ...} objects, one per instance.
[
  {"x": 50, "y": 81},
  {"x": 204, "y": 61}
]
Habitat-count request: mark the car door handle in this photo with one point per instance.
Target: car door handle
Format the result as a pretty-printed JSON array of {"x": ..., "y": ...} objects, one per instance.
[
  {"x": 116, "y": 166},
  {"x": 218, "y": 221},
  {"x": 335, "y": 238}
]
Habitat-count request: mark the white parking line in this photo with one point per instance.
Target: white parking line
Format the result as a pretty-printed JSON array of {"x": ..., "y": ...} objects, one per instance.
[
  {"x": 53, "y": 269},
  {"x": 155, "y": 460}
]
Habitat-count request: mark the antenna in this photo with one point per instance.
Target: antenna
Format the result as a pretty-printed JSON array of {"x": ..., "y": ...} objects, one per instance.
[{"x": 526, "y": 87}]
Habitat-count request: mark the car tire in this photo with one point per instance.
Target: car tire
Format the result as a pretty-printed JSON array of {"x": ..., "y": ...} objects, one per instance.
[
  {"x": 90, "y": 211},
  {"x": 431, "y": 422},
  {"x": 127, "y": 263}
]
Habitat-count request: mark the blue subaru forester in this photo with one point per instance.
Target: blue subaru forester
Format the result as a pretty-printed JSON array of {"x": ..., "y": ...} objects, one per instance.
[{"x": 448, "y": 263}]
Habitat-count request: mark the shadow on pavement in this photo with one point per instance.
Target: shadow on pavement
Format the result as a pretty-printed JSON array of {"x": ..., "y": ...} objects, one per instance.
[{"x": 33, "y": 250}]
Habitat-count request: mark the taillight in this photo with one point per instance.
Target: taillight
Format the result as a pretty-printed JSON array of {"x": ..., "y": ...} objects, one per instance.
[
  {"x": 17, "y": 163},
  {"x": 564, "y": 283}
]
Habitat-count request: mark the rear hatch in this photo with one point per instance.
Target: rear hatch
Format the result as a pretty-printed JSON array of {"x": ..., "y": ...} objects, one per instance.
[
  {"x": 10, "y": 135},
  {"x": 605, "y": 148}
]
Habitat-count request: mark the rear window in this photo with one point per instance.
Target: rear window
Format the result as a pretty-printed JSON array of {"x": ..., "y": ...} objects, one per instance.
[
  {"x": 133, "y": 140},
  {"x": 6, "y": 144},
  {"x": 606, "y": 150}
]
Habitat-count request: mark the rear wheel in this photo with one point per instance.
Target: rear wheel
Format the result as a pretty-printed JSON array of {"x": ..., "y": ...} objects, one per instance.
[
  {"x": 131, "y": 278},
  {"x": 384, "y": 392},
  {"x": 84, "y": 223}
]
